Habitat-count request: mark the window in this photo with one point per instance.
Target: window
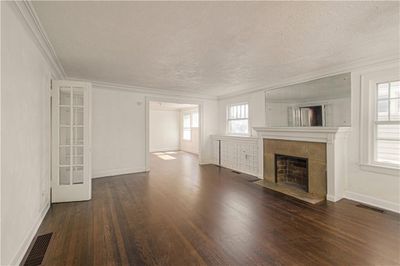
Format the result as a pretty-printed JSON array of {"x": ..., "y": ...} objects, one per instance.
[
  {"x": 380, "y": 120},
  {"x": 387, "y": 123},
  {"x": 238, "y": 119},
  {"x": 187, "y": 130},
  {"x": 195, "y": 119}
]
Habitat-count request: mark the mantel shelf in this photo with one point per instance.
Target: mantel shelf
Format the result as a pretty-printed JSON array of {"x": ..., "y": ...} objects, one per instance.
[{"x": 303, "y": 129}]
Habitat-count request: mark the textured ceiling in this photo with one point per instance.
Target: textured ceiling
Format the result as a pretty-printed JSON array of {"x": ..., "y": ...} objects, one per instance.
[{"x": 214, "y": 48}]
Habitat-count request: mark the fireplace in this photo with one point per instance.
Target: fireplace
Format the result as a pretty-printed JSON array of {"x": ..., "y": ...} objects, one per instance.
[{"x": 291, "y": 170}]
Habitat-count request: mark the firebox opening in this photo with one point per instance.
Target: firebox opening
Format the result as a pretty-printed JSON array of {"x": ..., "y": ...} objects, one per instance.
[{"x": 291, "y": 171}]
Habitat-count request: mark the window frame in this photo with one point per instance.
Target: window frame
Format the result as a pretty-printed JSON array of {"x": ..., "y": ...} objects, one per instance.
[
  {"x": 228, "y": 119},
  {"x": 368, "y": 116},
  {"x": 191, "y": 119},
  {"x": 377, "y": 122}
]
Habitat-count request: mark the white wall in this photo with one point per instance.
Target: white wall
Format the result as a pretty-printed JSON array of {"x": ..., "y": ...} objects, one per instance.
[
  {"x": 164, "y": 130},
  {"x": 377, "y": 189},
  {"x": 191, "y": 145},
  {"x": 208, "y": 115},
  {"x": 118, "y": 132},
  {"x": 25, "y": 150}
]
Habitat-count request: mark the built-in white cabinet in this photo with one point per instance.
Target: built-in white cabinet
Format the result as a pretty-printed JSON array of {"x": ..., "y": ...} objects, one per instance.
[{"x": 236, "y": 153}]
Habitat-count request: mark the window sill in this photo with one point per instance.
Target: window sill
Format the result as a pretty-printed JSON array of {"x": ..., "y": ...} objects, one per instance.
[{"x": 380, "y": 169}]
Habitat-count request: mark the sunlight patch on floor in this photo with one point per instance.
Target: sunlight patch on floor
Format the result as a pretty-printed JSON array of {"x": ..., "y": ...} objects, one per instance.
[{"x": 165, "y": 155}]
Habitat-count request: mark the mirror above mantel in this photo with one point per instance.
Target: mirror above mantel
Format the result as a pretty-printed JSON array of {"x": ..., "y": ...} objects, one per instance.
[{"x": 324, "y": 102}]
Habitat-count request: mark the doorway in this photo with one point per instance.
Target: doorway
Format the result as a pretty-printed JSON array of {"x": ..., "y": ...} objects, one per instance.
[{"x": 173, "y": 128}]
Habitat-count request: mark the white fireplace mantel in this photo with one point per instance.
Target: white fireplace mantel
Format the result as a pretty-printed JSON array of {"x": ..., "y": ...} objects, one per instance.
[{"x": 336, "y": 149}]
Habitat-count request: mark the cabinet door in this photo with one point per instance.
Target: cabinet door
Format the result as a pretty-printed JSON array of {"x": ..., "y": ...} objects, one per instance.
[
  {"x": 229, "y": 154},
  {"x": 71, "y": 166}
]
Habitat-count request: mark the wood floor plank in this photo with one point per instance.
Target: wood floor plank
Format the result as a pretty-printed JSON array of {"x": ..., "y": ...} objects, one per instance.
[{"x": 181, "y": 213}]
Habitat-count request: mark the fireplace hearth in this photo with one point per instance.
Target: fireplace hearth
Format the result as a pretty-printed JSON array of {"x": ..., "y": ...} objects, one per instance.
[{"x": 292, "y": 171}]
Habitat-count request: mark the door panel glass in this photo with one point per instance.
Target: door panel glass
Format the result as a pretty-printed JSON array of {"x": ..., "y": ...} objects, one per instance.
[
  {"x": 65, "y": 96},
  {"x": 65, "y": 155},
  {"x": 78, "y": 136},
  {"x": 78, "y": 155},
  {"x": 65, "y": 136},
  {"x": 65, "y": 173},
  {"x": 77, "y": 175},
  {"x": 78, "y": 116},
  {"x": 65, "y": 116},
  {"x": 77, "y": 97}
]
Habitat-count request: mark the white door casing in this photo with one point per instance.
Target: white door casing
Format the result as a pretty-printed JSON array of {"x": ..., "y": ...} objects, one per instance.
[{"x": 71, "y": 141}]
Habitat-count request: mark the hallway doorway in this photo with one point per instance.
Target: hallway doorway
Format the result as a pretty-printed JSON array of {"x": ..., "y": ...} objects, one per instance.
[{"x": 173, "y": 128}]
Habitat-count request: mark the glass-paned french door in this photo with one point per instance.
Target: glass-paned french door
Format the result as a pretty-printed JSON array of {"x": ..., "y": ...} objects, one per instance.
[{"x": 71, "y": 180}]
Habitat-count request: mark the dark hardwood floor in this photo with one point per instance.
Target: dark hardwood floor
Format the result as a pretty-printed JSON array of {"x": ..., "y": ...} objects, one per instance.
[{"x": 184, "y": 214}]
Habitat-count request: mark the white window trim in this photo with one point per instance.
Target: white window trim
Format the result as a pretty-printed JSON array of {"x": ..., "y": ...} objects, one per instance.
[
  {"x": 186, "y": 128},
  {"x": 248, "y": 134},
  {"x": 368, "y": 122},
  {"x": 190, "y": 112}
]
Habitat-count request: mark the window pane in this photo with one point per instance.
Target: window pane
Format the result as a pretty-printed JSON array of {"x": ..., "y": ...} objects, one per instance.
[
  {"x": 388, "y": 151},
  {"x": 232, "y": 111},
  {"x": 238, "y": 126},
  {"x": 383, "y": 91},
  {"x": 395, "y": 109},
  {"x": 238, "y": 111},
  {"x": 195, "y": 119},
  {"x": 395, "y": 89},
  {"x": 388, "y": 132},
  {"x": 187, "y": 134},
  {"x": 186, "y": 120},
  {"x": 383, "y": 110}
]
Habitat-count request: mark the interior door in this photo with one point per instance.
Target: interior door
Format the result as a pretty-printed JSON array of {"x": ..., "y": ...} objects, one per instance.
[{"x": 71, "y": 158}]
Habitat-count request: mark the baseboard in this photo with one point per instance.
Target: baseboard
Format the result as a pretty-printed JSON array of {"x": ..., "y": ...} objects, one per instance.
[
  {"x": 333, "y": 198},
  {"x": 28, "y": 239},
  {"x": 383, "y": 204},
  {"x": 120, "y": 171}
]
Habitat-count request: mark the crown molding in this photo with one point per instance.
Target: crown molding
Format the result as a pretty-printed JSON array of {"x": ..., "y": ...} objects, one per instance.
[
  {"x": 28, "y": 13},
  {"x": 147, "y": 90},
  {"x": 321, "y": 73}
]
